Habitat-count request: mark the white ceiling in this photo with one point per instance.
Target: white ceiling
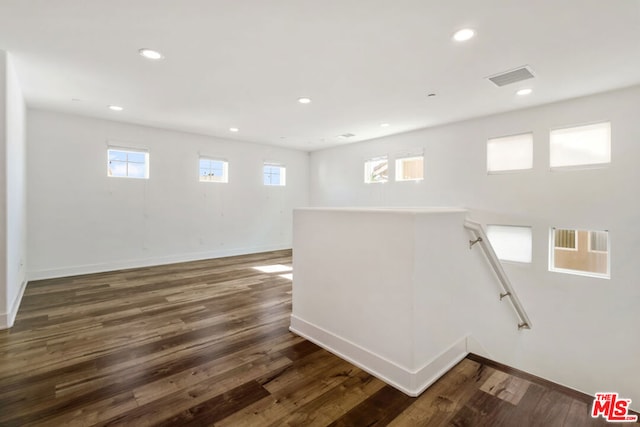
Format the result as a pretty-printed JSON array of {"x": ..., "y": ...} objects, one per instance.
[{"x": 244, "y": 63}]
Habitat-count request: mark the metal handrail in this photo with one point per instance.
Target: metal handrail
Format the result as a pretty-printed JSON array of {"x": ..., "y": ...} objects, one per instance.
[{"x": 482, "y": 239}]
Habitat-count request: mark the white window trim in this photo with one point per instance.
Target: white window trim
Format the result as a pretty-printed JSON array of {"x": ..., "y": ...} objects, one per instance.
[
  {"x": 400, "y": 159},
  {"x": 606, "y": 275},
  {"x": 136, "y": 150},
  {"x": 225, "y": 169}
]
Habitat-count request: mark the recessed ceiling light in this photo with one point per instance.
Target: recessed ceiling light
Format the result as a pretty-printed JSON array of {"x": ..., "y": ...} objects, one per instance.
[
  {"x": 464, "y": 34},
  {"x": 384, "y": 125},
  {"x": 234, "y": 129},
  {"x": 115, "y": 108},
  {"x": 304, "y": 100},
  {"x": 525, "y": 91},
  {"x": 150, "y": 54}
]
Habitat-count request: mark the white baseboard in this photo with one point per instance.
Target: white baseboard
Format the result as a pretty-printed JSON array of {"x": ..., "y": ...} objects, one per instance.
[
  {"x": 7, "y": 319},
  {"x": 407, "y": 381},
  {"x": 146, "y": 262},
  {"x": 439, "y": 365}
]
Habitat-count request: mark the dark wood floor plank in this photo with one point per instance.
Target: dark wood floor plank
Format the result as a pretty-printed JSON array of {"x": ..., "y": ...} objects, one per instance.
[
  {"x": 441, "y": 402},
  {"x": 207, "y": 342},
  {"x": 378, "y": 410}
]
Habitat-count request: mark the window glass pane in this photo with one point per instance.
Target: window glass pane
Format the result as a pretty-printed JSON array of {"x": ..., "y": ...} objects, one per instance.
[
  {"x": 274, "y": 175},
  {"x": 136, "y": 170},
  {"x": 410, "y": 168},
  {"x": 598, "y": 241},
  {"x": 136, "y": 157},
  {"x": 117, "y": 168},
  {"x": 582, "y": 145},
  {"x": 117, "y": 155},
  {"x": 510, "y": 243},
  {"x": 565, "y": 239},
  {"x": 217, "y": 167},
  {"x": 125, "y": 163},
  {"x": 583, "y": 252},
  {"x": 376, "y": 170},
  {"x": 510, "y": 153},
  {"x": 212, "y": 170}
]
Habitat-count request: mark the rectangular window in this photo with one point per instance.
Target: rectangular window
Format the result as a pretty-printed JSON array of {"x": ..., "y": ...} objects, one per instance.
[
  {"x": 583, "y": 252},
  {"x": 212, "y": 170},
  {"x": 127, "y": 163},
  {"x": 510, "y": 243},
  {"x": 410, "y": 168},
  {"x": 274, "y": 174},
  {"x": 580, "y": 146},
  {"x": 376, "y": 170},
  {"x": 510, "y": 153}
]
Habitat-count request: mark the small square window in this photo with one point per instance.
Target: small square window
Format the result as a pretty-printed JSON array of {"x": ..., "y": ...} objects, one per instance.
[
  {"x": 274, "y": 174},
  {"x": 376, "y": 170},
  {"x": 125, "y": 163},
  {"x": 583, "y": 252},
  {"x": 410, "y": 168},
  {"x": 510, "y": 153},
  {"x": 212, "y": 170},
  {"x": 580, "y": 146},
  {"x": 510, "y": 243}
]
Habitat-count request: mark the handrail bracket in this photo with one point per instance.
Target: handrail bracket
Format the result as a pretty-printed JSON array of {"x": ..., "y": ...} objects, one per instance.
[
  {"x": 473, "y": 242},
  {"x": 506, "y": 288}
]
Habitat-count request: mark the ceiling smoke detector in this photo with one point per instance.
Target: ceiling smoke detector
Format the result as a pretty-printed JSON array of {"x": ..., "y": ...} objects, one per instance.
[{"x": 512, "y": 76}]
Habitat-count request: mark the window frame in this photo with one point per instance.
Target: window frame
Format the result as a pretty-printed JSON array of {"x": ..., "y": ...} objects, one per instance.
[
  {"x": 583, "y": 273},
  {"x": 225, "y": 169},
  {"x": 282, "y": 174},
  {"x": 581, "y": 166},
  {"x": 368, "y": 174},
  {"x": 127, "y": 150},
  {"x": 398, "y": 162},
  {"x": 510, "y": 171}
]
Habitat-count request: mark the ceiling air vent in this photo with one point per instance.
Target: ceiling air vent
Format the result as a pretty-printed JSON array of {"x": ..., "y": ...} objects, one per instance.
[{"x": 512, "y": 76}]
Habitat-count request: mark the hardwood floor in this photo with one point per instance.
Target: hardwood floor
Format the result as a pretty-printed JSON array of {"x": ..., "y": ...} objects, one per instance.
[{"x": 207, "y": 343}]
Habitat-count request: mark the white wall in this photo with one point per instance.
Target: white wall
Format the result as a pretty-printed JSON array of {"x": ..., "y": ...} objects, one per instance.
[
  {"x": 585, "y": 329},
  {"x": 81, "y": 221},
  {"x": 13, "y": 192},
  {"x": 384, "y": 289}
]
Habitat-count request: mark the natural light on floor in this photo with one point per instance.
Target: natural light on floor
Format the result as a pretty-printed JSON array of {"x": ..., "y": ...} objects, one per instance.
[{"x": 275, "y": 268}]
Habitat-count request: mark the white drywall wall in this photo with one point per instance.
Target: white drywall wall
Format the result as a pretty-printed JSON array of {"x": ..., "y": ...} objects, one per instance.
[
  {"x": 585, "y": 329},
  {"x": 81, "y": 220},
  {"x": 13, "y": 188}
]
